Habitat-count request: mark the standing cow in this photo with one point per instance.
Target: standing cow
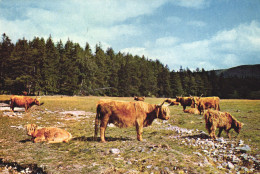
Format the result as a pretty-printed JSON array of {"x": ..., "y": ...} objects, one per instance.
[
  {"x": 203, "y": 103},
  {"x": 128, "y": 114},
  {"x": 185, "y": 101},
  {"x": 23, "y": 101},
  {"x": 222, "y": 120}
]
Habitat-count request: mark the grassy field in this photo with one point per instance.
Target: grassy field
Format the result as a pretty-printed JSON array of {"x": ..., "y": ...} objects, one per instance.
[{"x": 158, "y": 153}]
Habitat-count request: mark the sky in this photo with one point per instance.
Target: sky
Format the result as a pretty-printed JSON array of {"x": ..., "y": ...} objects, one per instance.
[{"x": 209, "y": 34}]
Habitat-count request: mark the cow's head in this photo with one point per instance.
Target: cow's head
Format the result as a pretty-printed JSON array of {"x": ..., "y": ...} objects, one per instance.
[
  {"x": 30, "y": 128},
  {"x": 178, "y": 99},
  {"x": 163, "y": 112},
  {"x": 37, "y": 101},
  {"x": 238, "y": 126}
]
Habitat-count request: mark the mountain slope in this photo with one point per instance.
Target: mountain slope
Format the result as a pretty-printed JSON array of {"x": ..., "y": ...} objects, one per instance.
[{"x": 243, "y": 71}]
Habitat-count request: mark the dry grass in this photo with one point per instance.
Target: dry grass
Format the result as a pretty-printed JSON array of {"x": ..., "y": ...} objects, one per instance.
[{"x": 158, "y": 153}]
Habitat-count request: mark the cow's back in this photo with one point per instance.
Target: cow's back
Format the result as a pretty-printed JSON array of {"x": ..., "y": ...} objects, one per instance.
[
  {"x": 18, "y": 100},
  {"x": 122, "y": 114}
]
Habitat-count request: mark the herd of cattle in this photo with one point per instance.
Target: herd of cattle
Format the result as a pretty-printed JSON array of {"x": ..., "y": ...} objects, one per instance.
[{"x": 137, "y": 113}]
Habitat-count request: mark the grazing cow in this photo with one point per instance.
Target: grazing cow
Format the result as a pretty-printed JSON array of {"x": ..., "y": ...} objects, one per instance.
[
  {"x": 185, "y": 101},
  {"x": 23, "y": 101},
  {"x": 192, "y": 111},
  {"x": 139, "y": 98},
  {"x": 128, "y": 114},
  {"x": 206, "y": 103},
  {"x": 222, "y": 120},
  {"x": 48, "y": 134},
  {"x": 171, "y": 102}
]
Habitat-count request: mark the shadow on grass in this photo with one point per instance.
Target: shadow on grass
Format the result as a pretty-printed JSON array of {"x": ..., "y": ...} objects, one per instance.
[
  {"x": 108, "y": 139},
  {"x": 201, "y": 136},
  {"x": 32, "y": 167},
  {"x": 24, "y": 141}
]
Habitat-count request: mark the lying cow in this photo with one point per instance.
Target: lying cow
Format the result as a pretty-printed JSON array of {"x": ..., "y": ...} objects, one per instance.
[
  {"x": 185, "y": 101},
  {"x": 48, "y": 134},
  {"x": 203, "y": 103},
  {"x": 139, "y": 98},
  {"x": 23, "y": 101},
  {"x": 128, "y": 114},
  {"x": 172, "y": 102},
  {"x": 192, "y": 111},
  {"x": 222, "y": 120}
]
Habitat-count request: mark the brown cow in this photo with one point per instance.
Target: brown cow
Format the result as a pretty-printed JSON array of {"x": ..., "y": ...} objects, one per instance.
[
  {"x": 23, "y": 101},
  {"x": 171, "y": 102},
  {"x": 203, "y": 103},
  {"x": 222, "y": 120},
  {"x": 128, "y": 114},
  {"x": 185, "y": 101},
  {"x": 139, "y": 98},
  {"x": 48, "y": 134},
  {"x": 192, "y": 111}
]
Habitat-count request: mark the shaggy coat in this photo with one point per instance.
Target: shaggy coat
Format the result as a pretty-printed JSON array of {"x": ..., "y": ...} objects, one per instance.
[
  {"x": 222, "y": 120},
  {"x": 203, "y": 103},
  {"x": 192, "y": 111},
  {"x": 171, "y": 101},
  {"x": 23, "y": 101},
  {"x": 185, "y": 101},
  {"x": 48, "y": 134},
  {"x": 128, "y": 114}
]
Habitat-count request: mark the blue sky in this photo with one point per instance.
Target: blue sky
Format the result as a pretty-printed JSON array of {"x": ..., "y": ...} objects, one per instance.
[{"x": 209, "y": 34}]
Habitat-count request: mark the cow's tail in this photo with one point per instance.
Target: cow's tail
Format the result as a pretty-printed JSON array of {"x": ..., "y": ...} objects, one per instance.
[{"x": 97, "y": 122}]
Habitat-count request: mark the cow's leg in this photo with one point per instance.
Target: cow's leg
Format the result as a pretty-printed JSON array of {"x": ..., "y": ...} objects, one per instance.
[
  {"x": 220, "y": 130},
  {"x": 184, "y": 107},
  {"x": 38, "y": 139},
  {"x": 103, "y": 126},
  {"x": 212, "y": 132},
  {"x": 228, "y": 134},
  {"x": 139, "y": 130}
]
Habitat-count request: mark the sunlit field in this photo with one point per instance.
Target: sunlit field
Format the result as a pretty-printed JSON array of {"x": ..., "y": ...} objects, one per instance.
[{"x": 157, "y": 153}]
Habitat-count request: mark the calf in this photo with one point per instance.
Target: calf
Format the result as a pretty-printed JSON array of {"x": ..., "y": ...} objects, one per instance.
[
  {"x": 192, "y": 111},
  {"x": 48, "y": 134},
  {"x": 222, "y": 120}
]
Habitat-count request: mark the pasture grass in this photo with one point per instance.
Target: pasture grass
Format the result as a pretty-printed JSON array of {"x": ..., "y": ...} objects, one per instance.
[{"x": 158, "y": 153}]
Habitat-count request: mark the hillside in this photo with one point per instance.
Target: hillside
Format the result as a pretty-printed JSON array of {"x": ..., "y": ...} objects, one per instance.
[{"x": 243, "y": 71}]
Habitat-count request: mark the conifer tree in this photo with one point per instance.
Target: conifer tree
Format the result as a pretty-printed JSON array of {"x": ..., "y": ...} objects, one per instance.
[
  {"x": 6, "y": 48},
  {"x": 50, "y": 68}
]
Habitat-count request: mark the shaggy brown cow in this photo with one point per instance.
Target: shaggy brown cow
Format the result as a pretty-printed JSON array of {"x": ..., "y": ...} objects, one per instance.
[
  {"x": 23, "y": 101},
  {"x": 222, "y": 120},
  {"x": 192, "y": 111},
  {"x": 128, "y": 114},
  {"x": 48, "y": 134},
  {"x": 185, "y": 101},
  {"x": 171, "y": 102},
  {"x": 139, "y": 98},
  {"x": 206, "y": 103}
]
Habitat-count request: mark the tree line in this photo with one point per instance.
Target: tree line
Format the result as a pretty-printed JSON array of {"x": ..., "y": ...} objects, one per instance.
[{"x": 41, "y": 66}]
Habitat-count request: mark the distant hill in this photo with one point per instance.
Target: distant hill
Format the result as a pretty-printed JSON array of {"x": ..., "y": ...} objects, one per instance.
[{"x": 243, "y": 71}]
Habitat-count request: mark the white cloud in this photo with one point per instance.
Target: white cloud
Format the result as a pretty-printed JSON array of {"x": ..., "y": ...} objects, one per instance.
[
  {"x": 166, "y": 41},
  {"x": 197, "y": 4},
  {"x": 225, "y": 49},
  {"x": 79, "y": 20},
  {"x": 197, "y": 23},
  {"x": 135, "y": 51}
]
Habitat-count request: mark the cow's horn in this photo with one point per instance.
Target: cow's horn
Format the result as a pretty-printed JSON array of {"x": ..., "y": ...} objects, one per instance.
[{"x": 162, "y": 103}]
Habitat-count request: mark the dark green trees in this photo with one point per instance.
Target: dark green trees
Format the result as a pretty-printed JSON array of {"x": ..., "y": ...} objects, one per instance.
[{"x": 45, "y": 67}]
